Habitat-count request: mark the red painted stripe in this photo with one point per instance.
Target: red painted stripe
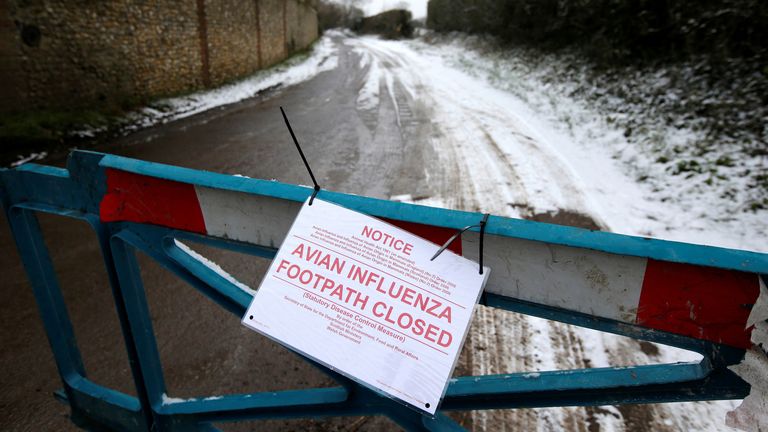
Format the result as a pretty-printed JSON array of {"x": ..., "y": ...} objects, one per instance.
[
  {"x": 137, "y": 198},
  {"x": 701, "y": 302},
  {"x": 437, "y": 235}
]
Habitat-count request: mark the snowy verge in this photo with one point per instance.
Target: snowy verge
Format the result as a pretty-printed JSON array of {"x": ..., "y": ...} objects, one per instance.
[
  {"x": 35, "y": 156},
  {"x": 322, "y": 57},
  {"x": 645, "y": 171}
]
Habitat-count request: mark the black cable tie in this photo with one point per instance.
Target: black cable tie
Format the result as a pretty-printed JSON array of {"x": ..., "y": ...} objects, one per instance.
[
  {"x": 303, "y": 158},
  {"x": 481, "y": 225},
  {"x": 482, "y": 236},
  {"x": 450, "y": 240},
  {"x": 314, "y": 194}
]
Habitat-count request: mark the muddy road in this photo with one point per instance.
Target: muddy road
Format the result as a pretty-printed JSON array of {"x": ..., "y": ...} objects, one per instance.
[{"x": 378, "y": 125}]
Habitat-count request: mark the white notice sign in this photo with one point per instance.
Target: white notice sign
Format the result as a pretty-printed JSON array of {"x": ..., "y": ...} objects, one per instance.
[{"x": 361, "y": 296}]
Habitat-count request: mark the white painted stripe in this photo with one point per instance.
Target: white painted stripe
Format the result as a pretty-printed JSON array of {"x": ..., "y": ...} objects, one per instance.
[
  {"x": 248, "y": 218},
  {"x": 581, "y": 280}
]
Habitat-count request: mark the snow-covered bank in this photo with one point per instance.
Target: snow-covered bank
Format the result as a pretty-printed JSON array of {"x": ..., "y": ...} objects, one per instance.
[
  {"x": 549, "y": 147},
  {"x": 643, "y": 170},
  {"x": 30, "y": 158},
  {"x": 323, "y": 56}
]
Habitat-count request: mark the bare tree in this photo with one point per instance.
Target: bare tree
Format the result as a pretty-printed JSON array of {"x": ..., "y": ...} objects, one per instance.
[{"x": 338, "y": 14}]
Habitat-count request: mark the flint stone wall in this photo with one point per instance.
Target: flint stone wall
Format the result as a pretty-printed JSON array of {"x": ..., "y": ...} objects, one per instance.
[{"x": 79, "y": 53}]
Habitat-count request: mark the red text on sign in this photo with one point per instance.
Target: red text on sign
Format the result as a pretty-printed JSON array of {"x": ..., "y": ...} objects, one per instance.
[
  {"x": 417, "y": 326},
  {"x": 387, "y": 240}
]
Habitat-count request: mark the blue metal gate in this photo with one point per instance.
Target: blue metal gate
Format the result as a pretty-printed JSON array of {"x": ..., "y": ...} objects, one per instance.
[{"x": 79, "y": 192}]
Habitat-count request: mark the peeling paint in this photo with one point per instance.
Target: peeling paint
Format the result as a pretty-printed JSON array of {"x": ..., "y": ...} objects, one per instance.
[{"x": 752, "y": 414}]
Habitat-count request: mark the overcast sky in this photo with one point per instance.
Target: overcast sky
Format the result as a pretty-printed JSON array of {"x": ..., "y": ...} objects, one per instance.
[{"x": 372, "y": 7}]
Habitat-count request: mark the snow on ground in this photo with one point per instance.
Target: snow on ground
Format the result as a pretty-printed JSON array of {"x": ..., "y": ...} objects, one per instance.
[
  {"x": 576, "y": 157},
  {"x": 512, "y": 144},
  {"x": 322, "y": 57},
  {"x": 651, "y": 183},
  {"x": 558, "y": 152},
  {"x": 31, "y": 157}
]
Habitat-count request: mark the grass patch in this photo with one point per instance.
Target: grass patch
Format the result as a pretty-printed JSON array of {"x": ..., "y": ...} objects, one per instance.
[
  {"x": 51, "y": 131},
  {"x": 38, "y": 127}
]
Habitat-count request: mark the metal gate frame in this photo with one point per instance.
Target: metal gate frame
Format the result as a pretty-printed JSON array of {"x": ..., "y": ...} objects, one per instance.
[{"x": 77, "y": 191}]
